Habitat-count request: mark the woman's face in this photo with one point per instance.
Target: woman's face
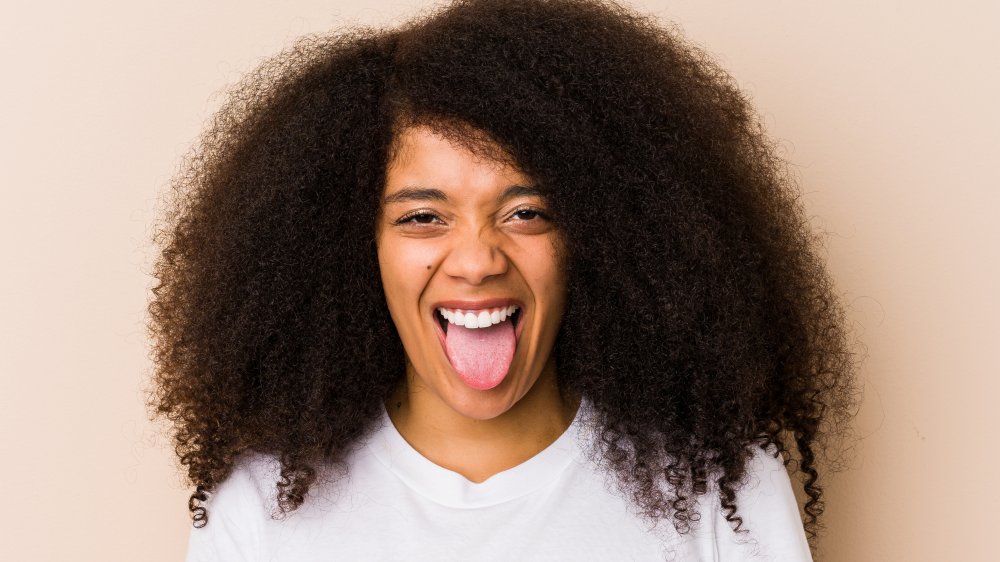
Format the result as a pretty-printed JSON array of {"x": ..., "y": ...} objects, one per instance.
[{"x": 461, "y": 243}]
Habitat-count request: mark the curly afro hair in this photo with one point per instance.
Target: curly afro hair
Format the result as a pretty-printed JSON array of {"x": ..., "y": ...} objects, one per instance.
[{"x": 700, "y": 319}]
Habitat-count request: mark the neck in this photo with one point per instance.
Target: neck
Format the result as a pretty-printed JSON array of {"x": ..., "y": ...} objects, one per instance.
[{"x": 478, "y": 449}]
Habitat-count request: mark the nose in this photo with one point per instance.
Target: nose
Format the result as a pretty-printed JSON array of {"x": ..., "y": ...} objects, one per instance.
[{"x": 475, "y": 257}]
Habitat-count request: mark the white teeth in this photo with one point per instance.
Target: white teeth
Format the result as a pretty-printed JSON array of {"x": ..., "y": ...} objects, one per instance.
[
  {"x": 471, "y": 320},
  {"x": 477, "y": 319}
]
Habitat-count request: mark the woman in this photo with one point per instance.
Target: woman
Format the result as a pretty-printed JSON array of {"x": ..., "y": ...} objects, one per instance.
[{"x": 516, "y": 280}]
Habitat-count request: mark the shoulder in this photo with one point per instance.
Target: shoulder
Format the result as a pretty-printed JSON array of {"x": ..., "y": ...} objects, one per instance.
[
  {"x": 237, "y": 510},
  {"x": 252, "y": 483},
  {"x": 766, "y": 480},
  {"x": 772, "y": 526}
]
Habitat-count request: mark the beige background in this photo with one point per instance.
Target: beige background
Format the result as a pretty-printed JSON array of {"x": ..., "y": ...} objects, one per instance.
[{"x": 887, "y": 111}]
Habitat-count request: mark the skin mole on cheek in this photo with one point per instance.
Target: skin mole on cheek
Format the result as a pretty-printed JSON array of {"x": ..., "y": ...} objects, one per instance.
[{"x": 428, "y": 267}]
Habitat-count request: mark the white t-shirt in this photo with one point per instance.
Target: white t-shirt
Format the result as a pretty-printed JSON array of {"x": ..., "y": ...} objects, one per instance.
[{"x": 395, "y": 504}]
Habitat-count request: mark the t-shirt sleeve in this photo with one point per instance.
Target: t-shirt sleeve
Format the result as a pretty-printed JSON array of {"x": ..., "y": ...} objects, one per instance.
[
  {"x": 770, "y": 514},
  {"x": 232, "y": 531}
]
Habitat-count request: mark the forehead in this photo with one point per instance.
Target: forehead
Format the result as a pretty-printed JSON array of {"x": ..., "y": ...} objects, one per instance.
[
  {"x": 416, "y": 144},
  {"x": 423, "y": 158},
  {"x": 425, "y": 133}
]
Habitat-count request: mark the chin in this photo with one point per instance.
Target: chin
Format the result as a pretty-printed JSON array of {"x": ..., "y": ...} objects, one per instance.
[{"x": 481, "y": 404}]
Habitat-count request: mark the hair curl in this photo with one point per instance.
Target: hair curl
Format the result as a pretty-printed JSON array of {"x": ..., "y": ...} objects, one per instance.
[{"x": 700, "y": 320}]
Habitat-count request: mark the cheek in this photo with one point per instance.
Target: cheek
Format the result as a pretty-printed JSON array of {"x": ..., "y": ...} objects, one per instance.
[
  {"x": 405, "y": 268},
  {"x": 551, "y": 272},
  {"x": 545, "y": 274},
  {"x": 555, "y": 290}
]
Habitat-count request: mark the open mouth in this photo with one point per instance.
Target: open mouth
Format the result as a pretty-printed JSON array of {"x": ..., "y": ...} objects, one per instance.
[{"x": 480, "y": 347}]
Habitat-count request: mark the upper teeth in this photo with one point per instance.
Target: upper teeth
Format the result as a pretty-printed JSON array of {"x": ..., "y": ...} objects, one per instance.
[{"x": 477, "y": 318}]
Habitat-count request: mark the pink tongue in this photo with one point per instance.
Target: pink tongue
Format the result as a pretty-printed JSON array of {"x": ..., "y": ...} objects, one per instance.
[{"x": 481, "y": 356}]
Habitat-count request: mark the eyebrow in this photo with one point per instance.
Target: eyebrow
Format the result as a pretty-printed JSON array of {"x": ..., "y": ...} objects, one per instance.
[{"x": 433, "y": 194}]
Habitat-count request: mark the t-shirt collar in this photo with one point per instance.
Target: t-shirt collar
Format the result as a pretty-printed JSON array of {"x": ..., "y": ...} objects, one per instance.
[{"x": 451, "y": 489}]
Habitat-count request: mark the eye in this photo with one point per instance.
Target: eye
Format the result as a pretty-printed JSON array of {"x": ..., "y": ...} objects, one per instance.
[
  {"x": 418, "y": 218},
  {"x": 529, "y": 214}
]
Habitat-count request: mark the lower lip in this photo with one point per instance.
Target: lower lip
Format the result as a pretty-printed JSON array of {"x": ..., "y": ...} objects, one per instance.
[{"x": 441, "y": 336}]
